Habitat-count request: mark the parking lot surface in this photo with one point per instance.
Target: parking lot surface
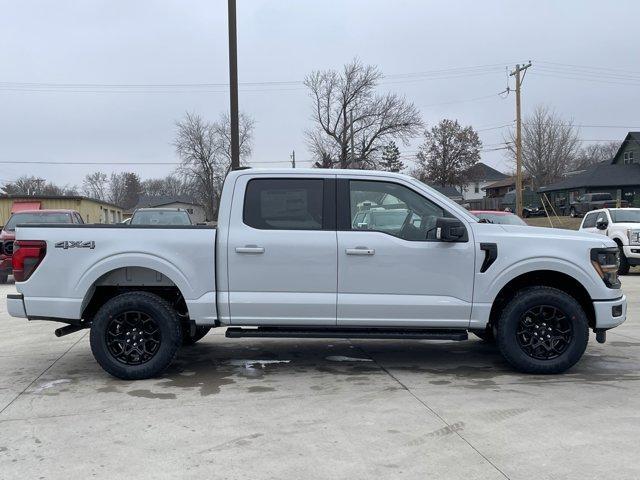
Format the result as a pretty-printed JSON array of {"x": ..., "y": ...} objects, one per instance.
[{"x": 316, "y": 409}]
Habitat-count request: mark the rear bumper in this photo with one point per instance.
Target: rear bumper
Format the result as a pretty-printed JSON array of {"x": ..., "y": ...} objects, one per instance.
[
  {"x": 606, "y": 312},
  {"x": 15, "y": 305}
]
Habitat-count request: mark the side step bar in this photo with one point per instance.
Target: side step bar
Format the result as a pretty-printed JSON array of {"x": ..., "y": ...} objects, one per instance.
[{"x": 348, "y": 332}]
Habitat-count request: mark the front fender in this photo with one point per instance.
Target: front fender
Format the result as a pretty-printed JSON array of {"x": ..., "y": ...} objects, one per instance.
[{"x": 589, "y": 280}]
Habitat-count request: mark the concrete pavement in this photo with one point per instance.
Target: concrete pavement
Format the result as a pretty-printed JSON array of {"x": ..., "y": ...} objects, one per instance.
[{"x": 316, "y": 409}]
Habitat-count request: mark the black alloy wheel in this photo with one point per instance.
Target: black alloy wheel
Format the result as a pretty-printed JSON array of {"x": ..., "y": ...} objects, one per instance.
[
  {"x": 133, "y": 337},
  {"x": 544, "y": 332}
]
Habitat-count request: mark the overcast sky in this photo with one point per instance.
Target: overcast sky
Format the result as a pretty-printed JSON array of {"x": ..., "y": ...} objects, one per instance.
[{"x": 127, "y": 63}]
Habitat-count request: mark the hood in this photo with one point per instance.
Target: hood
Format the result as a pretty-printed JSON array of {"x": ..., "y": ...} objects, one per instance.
[
  {"x": 543, "y": 233},
  {"x": 629, "y": 225},
  {"x": 6, "y": 235}
]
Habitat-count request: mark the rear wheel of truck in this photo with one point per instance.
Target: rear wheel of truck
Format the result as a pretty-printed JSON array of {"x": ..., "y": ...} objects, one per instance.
[
  {"x": 3, "y": 279},
  {"x": 135, "y": 335},
  {"x": 542, "y": 330}
]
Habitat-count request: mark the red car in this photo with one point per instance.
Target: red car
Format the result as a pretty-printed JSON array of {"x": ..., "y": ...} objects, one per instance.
[
  {"x": 8, "y": 234},
  {"x": 495, "y": 216}
]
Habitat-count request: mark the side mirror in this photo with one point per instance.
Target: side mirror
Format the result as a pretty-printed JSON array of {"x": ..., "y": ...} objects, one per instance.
[
  {"x": 602, "y": 224},
  {"x": 450, "y": 230}
]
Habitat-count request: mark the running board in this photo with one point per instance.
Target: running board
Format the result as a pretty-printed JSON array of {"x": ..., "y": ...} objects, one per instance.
[{"x": 347, "y": 332}]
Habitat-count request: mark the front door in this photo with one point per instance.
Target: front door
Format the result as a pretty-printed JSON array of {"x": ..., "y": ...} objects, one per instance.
[
  {"x": 392, "y": 271},
  {"x": 281, "y": 251}
]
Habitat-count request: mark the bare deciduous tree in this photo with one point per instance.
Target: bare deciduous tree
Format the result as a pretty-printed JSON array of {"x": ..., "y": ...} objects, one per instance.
[
  {"x": 171, "y": 186},
  {"x": 595, "y": 153},
  {"x": 549, "y": 146},
  {"x": 205, "y": 154},
  {"x": 32, "y": 185},
  {"x": 95, "y": 185},
  {"x": 447, "y": 154},
  {"x": 346, "y": 102}
]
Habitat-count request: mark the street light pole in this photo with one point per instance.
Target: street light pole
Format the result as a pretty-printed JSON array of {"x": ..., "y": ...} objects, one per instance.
[{"x": 233, "y": 87}]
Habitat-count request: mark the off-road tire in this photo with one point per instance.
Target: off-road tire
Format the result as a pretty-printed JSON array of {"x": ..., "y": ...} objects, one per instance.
[
  {"x": 510, "y": 319},
  {"x": 188, "y": 339},
  {"x": 623, "y": 268},
  {"x": 3, "y": 279},
  {"x": 164, "y": 316}
]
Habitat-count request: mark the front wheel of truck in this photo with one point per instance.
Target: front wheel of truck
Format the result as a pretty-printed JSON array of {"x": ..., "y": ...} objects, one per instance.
[
  {"x": 135, "y": 335},
  {"x": 542, "y": 330}
]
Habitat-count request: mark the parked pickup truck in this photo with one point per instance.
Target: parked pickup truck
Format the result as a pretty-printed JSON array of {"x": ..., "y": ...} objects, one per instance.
[
  {"x": 622, "y": 225},
  {"x": 288, "y": 260},
  {"x": 594, "y": 201},
  {"x": 7, "y": 235}
]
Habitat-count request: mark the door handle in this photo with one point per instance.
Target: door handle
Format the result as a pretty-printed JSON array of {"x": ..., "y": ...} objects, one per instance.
[
  {"x": 250, "y": 249},
  {"x": 360, "y": 251}
]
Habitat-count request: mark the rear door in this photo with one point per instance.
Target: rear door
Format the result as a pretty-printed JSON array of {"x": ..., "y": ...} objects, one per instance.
[{"x": 282, "y": 265}]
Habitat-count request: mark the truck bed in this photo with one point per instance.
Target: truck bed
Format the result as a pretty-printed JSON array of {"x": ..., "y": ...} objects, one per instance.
[{"x": 80, "y": 256}]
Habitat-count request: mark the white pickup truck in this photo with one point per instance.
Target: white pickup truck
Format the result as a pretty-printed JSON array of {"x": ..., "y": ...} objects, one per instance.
[
  {"x": 622, "y": 225},
  {"x": 292, "y": 257}
]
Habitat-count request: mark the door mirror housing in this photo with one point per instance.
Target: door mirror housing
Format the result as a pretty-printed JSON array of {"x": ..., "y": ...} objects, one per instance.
[
  {"x": 602, "y": 224},
  {"x": 451, "y": 230}
]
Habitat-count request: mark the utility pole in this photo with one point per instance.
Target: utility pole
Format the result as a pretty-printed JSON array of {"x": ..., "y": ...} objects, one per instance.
[
  {"x": 516, "y": 73},
  {"x": 233, "y": 87},
  {"x": 293, "y": 159}
]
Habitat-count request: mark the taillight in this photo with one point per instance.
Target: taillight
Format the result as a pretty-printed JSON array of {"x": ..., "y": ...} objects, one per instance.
[{"x": 27, "y": 255}]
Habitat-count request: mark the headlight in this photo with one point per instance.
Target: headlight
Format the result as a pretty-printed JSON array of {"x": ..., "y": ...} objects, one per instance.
[
  {"x": 606, "y": 261},
  {"x": 634, "y": 237}
]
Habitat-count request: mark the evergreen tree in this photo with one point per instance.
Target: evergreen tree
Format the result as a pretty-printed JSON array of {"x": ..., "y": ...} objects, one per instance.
[{"x": 390, "y": 161}]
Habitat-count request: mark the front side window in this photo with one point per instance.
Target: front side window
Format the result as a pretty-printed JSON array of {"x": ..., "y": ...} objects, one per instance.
[
  {"x": 393, "y": 209},
  {"x": 284, "y": 204},
  {"x": 590, "y": 220}
]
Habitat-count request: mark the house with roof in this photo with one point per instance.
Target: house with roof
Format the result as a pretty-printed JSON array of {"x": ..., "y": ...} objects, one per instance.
[
  {"x": 196, "y": 210},
  {"x": 619, "y": 176},
  {"x": 480, "y": 176}
]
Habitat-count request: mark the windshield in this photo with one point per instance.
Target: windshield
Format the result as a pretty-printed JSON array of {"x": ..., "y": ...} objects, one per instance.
[
  {"x": 501, "y": 219},
  {"x": 36, "y": 217},
  {"x": 623, "y": 215},
  {"x": 160, "y": 217}
]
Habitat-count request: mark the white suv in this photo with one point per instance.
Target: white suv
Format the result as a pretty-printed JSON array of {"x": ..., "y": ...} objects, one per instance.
[{"x": 622, "y": 225}]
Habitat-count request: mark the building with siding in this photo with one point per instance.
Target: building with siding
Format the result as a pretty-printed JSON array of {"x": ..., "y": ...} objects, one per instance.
[
  {"x": 91, "y": 210},
  {"x": 620, "y": 177}
]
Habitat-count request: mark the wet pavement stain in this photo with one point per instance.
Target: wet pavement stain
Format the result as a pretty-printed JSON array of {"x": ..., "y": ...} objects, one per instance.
[
  {"x": 150, "y": 394},
  {"x": 259, "y": 389}
]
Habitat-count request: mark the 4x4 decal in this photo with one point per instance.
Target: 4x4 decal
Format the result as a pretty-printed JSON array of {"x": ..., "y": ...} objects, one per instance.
[{"x": 75, "y": 244}]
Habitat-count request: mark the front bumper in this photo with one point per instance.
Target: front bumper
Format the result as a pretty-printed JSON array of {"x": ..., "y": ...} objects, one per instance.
[
  {"x": 15, "y": 305},
  {"x": 605, "y": 309},
  {"x": 632, "y": 253}
]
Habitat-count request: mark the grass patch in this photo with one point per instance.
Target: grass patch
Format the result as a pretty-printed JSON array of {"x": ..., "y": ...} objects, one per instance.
[{"x": 558, "y": 222}]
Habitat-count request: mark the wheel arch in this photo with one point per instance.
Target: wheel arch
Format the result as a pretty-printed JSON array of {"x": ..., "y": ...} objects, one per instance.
[
  {"x": 132, "y": 278},
  {"x": 548, "y": 278}
]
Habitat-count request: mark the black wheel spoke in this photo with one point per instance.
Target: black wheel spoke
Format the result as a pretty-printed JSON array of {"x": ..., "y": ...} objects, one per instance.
[
  {"x": 133, "y": 337},
  {"x": 544, "y": 332}
]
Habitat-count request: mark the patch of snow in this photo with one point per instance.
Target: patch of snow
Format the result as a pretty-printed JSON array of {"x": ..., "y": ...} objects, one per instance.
[
  {"x": 47, "y": 385},
  {"x": 252, "y": 363},
  {"x": 341, "y": 358}
]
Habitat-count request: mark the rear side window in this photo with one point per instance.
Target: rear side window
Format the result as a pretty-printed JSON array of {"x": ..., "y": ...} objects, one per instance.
[
  {"x": 284, "y": 204},
  {"x": 590, "y": 220}
]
